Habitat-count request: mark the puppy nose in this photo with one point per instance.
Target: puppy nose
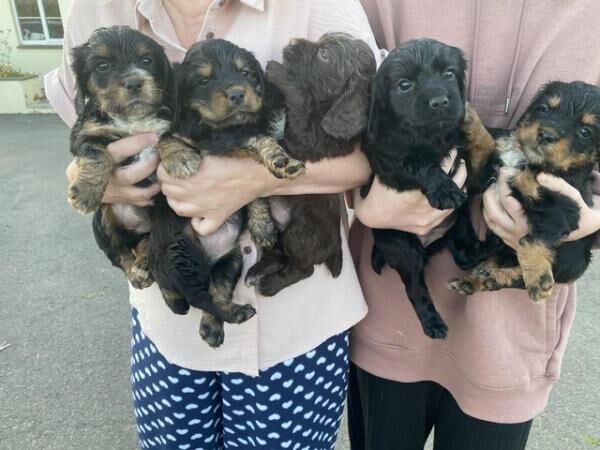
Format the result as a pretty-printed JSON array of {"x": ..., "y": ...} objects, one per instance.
[
  {"x": 235, "y": 96},
  {"x": 546, "y": 136},
  {"x": 439, "y": 102},
  {"x": 134, "y": 86}
]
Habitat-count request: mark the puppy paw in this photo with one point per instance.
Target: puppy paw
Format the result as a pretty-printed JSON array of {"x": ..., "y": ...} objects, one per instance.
[
  {"x": 539, "y": 286},
  {"x": 447, "y": 199},
  {"x": 462, "y": 285},
  {"x": 211, "y": 330},
  {"x": 435, "y": 327},
  {"x": 84, "y": 197},
  {"x": 291, "y": 169},
  {"x": 182, "y": 167},
  {"x": 139, "y": 276}
]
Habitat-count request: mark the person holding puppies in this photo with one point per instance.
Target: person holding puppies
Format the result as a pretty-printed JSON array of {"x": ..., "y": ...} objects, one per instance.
[
  {"x": 279, "y": 380},
  {"x": 481, "y": 386}
]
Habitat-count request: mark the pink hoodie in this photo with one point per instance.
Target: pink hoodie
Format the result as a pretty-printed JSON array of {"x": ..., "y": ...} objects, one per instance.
[{"x": 503, "y": 352}]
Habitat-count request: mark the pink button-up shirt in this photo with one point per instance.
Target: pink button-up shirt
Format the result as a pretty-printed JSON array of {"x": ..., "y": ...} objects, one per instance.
[{"x": 300, "y": 317}]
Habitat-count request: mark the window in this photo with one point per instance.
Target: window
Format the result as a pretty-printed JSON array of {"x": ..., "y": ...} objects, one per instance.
[{"x": 39, "y": 21}]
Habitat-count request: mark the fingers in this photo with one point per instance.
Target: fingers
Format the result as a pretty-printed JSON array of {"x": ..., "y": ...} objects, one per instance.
[
  {"x": 448, "y": 161},
  {"x": 181, "y": 208},
  {"x": 72, "y": 171},
  {"x": 205, "y": 227},
  {"x": 131, "y": 195},
  {"x": 559, "y": 185},
  {"x": 460, "y": 177},
  {"x": 124, "y": 148},
  {"x": 134, "y": 173},
  {"x": 494, "y": 213}
]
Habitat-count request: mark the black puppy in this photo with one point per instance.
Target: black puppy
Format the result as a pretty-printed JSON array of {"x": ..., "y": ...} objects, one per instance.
[
  {"x": 124, "y": 87},
  {"x": 325, "y": 85},
  {"x": 225, "y": 111},
  {"x": 558, "y": 134},
  {"x": 417, "y": 108}
]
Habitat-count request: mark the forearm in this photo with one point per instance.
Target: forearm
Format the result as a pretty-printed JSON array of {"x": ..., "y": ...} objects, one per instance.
[{"x": 327, "y": 176}]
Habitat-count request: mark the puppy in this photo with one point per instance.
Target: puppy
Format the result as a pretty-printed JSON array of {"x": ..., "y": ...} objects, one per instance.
[
  {"x": 124, "y": 87},
  {"x": 225, "y": 111},
  {"x": 417, "y": 108},
  {"x": 325, "y": 85},
  {"x": 558, "y": 134}
]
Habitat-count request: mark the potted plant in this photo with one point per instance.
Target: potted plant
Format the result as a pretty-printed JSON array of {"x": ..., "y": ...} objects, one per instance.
[{"x": 18, "y": 89}]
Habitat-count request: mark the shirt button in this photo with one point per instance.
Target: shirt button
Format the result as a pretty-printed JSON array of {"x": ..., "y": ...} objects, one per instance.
[
  {"x": 247, "y": 249},
  {"x": 210, "y": 35}
]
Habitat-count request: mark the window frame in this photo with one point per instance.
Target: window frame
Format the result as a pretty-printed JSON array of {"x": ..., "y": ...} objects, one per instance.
[{"x": 48, "y": 41}]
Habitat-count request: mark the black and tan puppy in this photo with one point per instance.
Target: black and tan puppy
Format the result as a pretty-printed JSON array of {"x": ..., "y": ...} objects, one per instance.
[
  {"x": 124, "y": 87},
  {"x": 325, "y": 85},
  {"x": 417, "y": 109},
  {"x": 225, "y": 111},
  {"x": 558, "y": 134}
]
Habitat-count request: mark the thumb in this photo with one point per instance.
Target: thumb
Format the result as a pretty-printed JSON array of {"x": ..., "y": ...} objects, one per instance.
[
  {"x": 204, "y": 227},
  {"x": 557, "y": 184}
]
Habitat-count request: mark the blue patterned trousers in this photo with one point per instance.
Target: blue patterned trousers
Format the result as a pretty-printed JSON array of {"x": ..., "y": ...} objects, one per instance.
[{"x": 294, "y": 405}]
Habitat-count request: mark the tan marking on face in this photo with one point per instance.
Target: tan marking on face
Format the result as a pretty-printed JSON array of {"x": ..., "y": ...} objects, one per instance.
[
  {"x": 589, "y": 119},
  {"x": 526, "y": 183},
  {"x": 527, "y": 133},
  {"x": 554, "y": 101},
  {"x": 103, "y": 51},
  {"x": 204, "y": 70},
  {"x": 559, "y": 155},
  {"x": 252, "y": 101}
]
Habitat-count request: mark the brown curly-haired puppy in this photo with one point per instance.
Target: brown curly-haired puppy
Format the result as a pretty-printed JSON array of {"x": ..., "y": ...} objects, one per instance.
[
  {"x": 558, "y": 134},
  {"x": 226, "y": 112},
  {"x": 325, "y": 85},
  {"x": 124, "y": 87}
]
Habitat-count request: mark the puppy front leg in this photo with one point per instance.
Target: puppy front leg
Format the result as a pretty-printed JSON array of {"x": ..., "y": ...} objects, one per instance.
[
  {"x": 274, "y": 158},
  {"x": 441, "y": 191},
  {"x": 536, "y": 259},
  {"x": 95, "y": 166},
  {"x": 481, "y": 145},
  {"x": 178, "y": 156}
]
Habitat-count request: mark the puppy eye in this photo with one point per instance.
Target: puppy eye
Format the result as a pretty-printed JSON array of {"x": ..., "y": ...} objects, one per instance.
[
  {"x": 584, "y": 133},
  {"x": 147, "y": 61},
  {"x": 203, "y": 81},
  {"x": 246, "y": 73},
  {"x": 543, "y": 108},
  {"x": 323, "y": 54},
  {"x": 449, "y": 75},
  {"x": 404, "y": 85},
  {"x": 102, "y": 66}
]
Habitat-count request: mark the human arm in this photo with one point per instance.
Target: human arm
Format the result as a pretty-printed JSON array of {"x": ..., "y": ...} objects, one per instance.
[
  {"x": 223, "y": 185},
  {"x": 505, "y": 217}
]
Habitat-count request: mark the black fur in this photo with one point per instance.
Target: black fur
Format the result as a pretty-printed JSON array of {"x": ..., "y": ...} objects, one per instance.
[{"x": 416, "y": 111}]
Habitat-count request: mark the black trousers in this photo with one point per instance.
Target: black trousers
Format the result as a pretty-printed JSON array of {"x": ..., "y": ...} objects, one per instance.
[{"x": 388, "y": 415}]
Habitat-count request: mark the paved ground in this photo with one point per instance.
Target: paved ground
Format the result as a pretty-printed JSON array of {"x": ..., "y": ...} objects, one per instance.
[{"x": 64, "y": 314}]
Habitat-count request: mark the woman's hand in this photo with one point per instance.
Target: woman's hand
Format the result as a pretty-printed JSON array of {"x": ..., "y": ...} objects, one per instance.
[
  {"x": 121, "y": 187},
  {"x": 589, "y": 219},
  {"x": 502, "y": 213},
  {"x": 219, "y": 188},
  {"x": 408, "y": 211}
]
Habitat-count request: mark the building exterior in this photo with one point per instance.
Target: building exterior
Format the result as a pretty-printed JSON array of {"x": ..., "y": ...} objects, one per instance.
[{"x": 31, "y": 34}]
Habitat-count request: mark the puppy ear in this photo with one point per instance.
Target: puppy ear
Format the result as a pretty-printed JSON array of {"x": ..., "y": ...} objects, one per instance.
[
  {"x": 78, "y": 66},
  {"x": 173, "y": 94},
  {"x": 348, "y": 115},
  {"x": 279, "y": 76},
  {"x": 376, "y": 108}
]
